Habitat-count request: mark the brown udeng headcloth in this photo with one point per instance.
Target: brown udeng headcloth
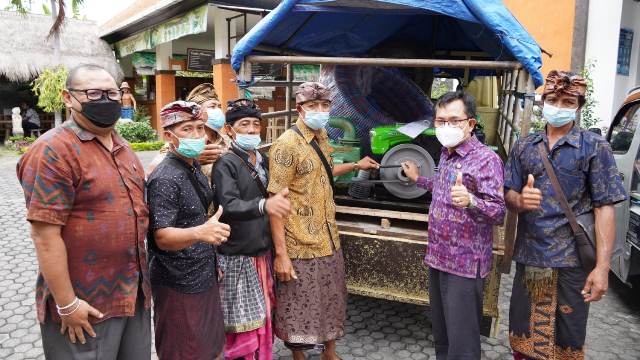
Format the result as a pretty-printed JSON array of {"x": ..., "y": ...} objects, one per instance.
[{"x": 562, "y": 82}]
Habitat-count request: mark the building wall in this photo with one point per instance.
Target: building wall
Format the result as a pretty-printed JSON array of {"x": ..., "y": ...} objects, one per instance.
[
  {"x": 199, "y": 41},
  {"x": 551, "y": 23},
  {"x": 602, "y": 50},
  {"x": 630, "y": 20}
]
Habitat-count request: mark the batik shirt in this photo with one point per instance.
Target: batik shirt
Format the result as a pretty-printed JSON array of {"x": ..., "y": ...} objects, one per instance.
[
  {"x": 97, "y": 196},
  {"x": 587, "y": 172},
  {"x": 311, "y": 226},
  {"x": 461, "y": 239}
]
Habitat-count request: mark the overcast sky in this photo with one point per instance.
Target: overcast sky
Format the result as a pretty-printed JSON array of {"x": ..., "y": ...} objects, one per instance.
[{"x": 98, "y": 10}]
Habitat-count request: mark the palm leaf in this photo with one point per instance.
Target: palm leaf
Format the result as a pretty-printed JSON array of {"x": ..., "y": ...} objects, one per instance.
[{"x": 17, "y": 4}]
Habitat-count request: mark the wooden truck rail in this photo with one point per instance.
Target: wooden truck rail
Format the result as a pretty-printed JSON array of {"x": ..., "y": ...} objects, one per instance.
[{"x": 384, "y": 253}]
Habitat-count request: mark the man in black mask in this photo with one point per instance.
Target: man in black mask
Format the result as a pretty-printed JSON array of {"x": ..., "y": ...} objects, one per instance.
[
  {"x": 84, "y": 193},
  {"x": 95, "y": 97}
]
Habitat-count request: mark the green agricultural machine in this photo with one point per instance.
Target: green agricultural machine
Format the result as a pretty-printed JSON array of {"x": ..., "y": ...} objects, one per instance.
[{"x": 390, "y": 147}]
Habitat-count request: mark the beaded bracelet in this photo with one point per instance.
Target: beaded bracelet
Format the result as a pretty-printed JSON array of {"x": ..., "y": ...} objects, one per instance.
[
  {"x": 75, "y": 302},
  {"x": 72, "y": 311},
  {"x": 68, "y": 306}
]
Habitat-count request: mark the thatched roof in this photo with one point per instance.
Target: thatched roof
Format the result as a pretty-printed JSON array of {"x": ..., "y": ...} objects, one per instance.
[{"x": 25, "y": 51}]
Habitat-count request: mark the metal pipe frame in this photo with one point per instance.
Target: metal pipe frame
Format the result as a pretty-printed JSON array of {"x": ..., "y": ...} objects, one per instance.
[
  {"x": 288, "y": 92},
  {"x": 275, "y": 83},
  {"x": 451, "y": 64},
  {"x": 279, "y": 113}
]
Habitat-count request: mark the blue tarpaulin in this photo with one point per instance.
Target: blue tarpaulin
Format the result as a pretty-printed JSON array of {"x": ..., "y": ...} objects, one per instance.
[{"x": 363, "y": 27}]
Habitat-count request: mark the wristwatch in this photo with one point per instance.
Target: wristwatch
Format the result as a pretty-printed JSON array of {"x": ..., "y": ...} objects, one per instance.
[
  {"x": 472, "y": 201},
  {"x": 356, "y": 166}
]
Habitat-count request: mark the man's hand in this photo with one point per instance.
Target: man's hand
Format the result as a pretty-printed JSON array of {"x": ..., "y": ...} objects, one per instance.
[
  {"x": 284, "y": 268},
  {"x": 597, "y": 284},
  {"x": 460, "y": 196},
  {"x": 213, "y": 231},
  {"x": 210, "y": 154},
  {"x": 278, "y": 204},
  {"x": 530, "y": 198},
  {"x": 411, "y": 170},
  {"x": 78, "y": 322},
  {"x": 367, "y": 163}
]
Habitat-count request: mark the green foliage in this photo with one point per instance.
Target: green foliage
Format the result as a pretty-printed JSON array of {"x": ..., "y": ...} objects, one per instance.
[
  {"x": 75, "y": 9},
  {"x": 19, "y": 143},
  {"x": 587, "y": 117},
  {"x": 141, "y": 114},
  {"x": 439, "y": 88},
  {"x": 139, "y": 130},
  {"x": 537, "y": 122},
  {"x": 147, "y": 146},
  {"x": 48, "y": 88},
  {"x": 17, "y": 6},
  {"x": 136, "y": 132}
]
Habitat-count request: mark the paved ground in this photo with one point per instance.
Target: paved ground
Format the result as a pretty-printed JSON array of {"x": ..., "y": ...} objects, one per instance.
[{"x": 375, "y": 329}]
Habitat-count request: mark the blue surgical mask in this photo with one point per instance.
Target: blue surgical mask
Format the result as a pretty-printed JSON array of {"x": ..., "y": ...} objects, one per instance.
[
  {"x": 190, "y": 148},
  {"x": 248, "y": 142},
  {"x": 215, "y": 118},
  {"x": 558, "y": 117},
  {"x": 316, "y": 119}
]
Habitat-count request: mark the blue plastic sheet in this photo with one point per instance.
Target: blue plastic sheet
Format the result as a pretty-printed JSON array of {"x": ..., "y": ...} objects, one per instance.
[{"x": 357, "y": 27}]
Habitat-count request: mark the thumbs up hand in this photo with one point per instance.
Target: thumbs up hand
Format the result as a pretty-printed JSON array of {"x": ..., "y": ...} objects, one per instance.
[
  {"x": 531, "y": 197},
  {"x": 278, "y": 204},
  {"x": 460, "y": 196},
  {"x": 218, "y": 214},
  {"x": 213, "y": 231}
]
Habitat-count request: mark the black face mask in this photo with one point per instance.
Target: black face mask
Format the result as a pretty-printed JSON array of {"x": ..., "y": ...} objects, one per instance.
[{"x": 102, "y": 113}]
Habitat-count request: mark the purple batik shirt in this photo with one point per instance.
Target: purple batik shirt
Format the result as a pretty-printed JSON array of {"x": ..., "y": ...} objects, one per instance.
[{"x": 460, "y": 239}]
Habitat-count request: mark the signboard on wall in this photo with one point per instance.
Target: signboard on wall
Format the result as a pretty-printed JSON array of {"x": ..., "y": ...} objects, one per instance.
[
  {"x": 306, "y": 72},
  {"x": 200, "y": 60},
  {"x": 624, "y": 51},
  {"x": 193, "y": 22},
  {"x": 262, "y": 71}
]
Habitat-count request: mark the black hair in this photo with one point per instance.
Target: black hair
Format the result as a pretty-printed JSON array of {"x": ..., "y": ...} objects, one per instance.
[
  {"x": 468, "y": 100},
  {"x": 73, "y": 73},
  {"x": 581, "y": 100}
]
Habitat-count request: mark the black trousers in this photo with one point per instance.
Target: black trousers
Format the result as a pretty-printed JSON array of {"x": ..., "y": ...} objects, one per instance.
[
  {"x": 27, "y": 127},
  {"x": 456, "y": 315}
]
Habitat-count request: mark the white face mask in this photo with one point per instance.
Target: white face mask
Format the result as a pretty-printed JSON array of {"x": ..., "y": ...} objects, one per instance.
[
  {"x": 449, "y": 136},
  {"x": 557, "y": 116}
]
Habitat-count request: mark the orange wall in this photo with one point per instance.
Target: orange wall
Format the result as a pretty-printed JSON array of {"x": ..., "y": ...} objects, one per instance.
[
  {"x": 165, "y": 92},
  {"x": 223, "y": 76},
  {"x": 550, "y": 22}
]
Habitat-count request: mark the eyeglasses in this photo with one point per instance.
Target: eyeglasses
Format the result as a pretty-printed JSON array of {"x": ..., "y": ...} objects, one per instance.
[
  {"x": 237, "y": 104},
  {"x": 451, "y": 122},
  {"x": 97, "y": 94}
]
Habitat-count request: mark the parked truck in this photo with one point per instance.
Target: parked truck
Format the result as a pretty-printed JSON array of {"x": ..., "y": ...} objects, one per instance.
[
  {"x": 384, "y": 229},
  {"x": 624, "y": 137}
]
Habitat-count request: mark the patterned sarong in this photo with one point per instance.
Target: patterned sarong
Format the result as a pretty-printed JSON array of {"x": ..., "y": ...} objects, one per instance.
[
  {"x": 548, "y": 316},
  {"x": 312, "y": 309},
  {"x": 256, "y": 344},
  {"x": 243, "y": 303}
]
